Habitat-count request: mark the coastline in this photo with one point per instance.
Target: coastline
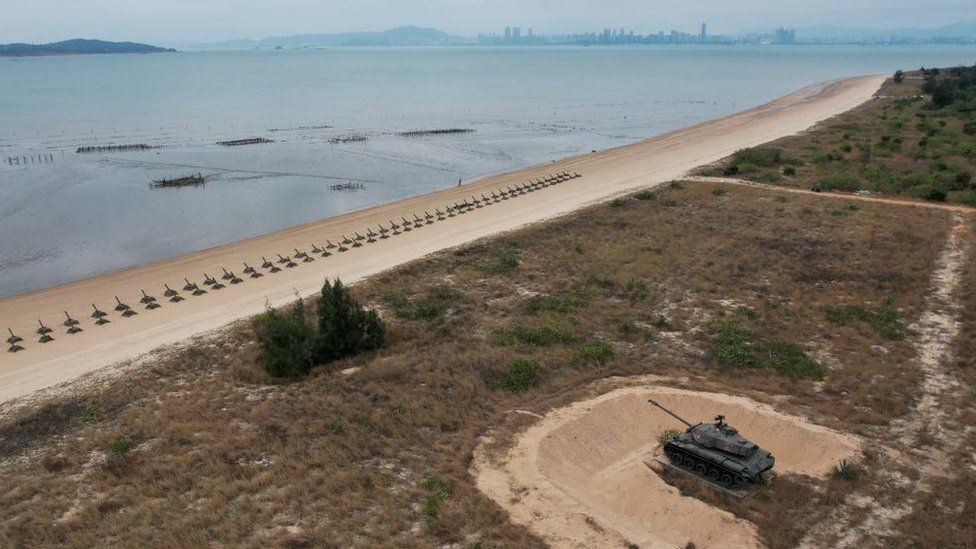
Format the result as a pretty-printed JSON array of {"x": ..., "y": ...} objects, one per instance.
[{"x": 604, "y": 174}]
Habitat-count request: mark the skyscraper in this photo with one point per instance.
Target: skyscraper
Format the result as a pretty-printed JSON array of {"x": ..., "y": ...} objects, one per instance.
[{"x": 704, "y": 34}]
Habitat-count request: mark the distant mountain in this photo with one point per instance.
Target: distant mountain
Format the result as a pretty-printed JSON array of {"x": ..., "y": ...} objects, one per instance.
[
  {"x": 401, "y": 36},
  {"x": 955, "y": 30},
  {"x": 77, "y": 47}
]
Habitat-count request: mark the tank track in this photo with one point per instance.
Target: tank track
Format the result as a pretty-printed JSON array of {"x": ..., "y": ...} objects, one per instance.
[{"x": 704, "y": 469}]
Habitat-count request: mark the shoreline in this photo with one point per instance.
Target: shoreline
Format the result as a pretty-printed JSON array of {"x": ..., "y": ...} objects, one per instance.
[{"x": 604, "y": 174}]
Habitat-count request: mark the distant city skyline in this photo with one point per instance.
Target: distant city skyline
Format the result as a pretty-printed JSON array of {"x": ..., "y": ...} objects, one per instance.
[{"x": 177, "y": 22}]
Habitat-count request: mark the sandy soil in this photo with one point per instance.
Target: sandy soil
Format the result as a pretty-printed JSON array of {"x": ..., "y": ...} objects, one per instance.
[
  {"x": 578, "y": 479},
  {"x": 933, "y": 337},
  {"x": 605, "y": 174}
]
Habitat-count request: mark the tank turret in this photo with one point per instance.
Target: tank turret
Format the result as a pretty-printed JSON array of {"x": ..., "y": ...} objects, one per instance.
[{"x": 716, "y": 451}]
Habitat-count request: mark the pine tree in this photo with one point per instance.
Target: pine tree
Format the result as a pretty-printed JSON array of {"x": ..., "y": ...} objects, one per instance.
[
  {"x": 287, "y": 341},
  {"x": 345, "y": 327}
]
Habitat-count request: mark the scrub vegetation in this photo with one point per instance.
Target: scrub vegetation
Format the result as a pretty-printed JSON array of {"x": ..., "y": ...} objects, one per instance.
[
  {"x": 747, "y": 291},
  {"x": 917, "y": 140}
]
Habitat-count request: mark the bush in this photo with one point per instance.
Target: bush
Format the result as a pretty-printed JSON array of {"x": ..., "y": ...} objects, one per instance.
[
  {"x": 92, "y": 413},
  {"x": 963, "y": 179},
  {"x": 438, "y": 490},
  {"x": 121, "y": 445},
  {"x": 969, "y": 128},
  {"x": 839, "y": 182},
  {"x": 884, "y": 320},
  {"x": 759, "y": 156},
  {"x": 506, "y": 261},
  {"x": 595, "y": 351},
  {"x": 899, "y": 76},
  {"x": 847, "y": 470},
  {"x": 290, "y": 345},
  {"x": 287, "y": 341},
  {"x": 968, "y": 198},
  {"x": 645, "y": 195},
  {"x": 735, "y": 346},
  {"x": 345, "y": 327},
  {"x": 521, "y": 374},
  {"x": 542, "y": 336},
  {"x": 439, "y": 299},
  {"x": 789, "y": 170},
  {"x": 928, "y": 192},
  {"x": 563, "y": 303}
]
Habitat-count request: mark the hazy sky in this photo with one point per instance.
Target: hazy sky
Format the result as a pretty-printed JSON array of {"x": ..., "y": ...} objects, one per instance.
[{"x": 170, "y": 22}]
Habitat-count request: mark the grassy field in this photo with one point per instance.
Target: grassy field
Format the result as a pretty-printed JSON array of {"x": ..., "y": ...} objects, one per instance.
[
  {"x": 900, "y": 143},
  {"x": 789, "y": 299}
]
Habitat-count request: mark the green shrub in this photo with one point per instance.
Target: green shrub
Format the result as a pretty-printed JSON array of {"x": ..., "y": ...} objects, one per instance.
[
  {"x": 345, "y": 327},
  {"x": 438, "y": 490},
  {"x": 522, "y": 373},
  {"x": 839, "y": 182},
  {"x": 747, "y": 168},
  {"x": 562, "y": 303},
  {"x": 290, "y": 345},
  {"x": 92, "y": 413},
  {"x": 438, "y": 301},
  {"x": 963, "y": 179},
  {"x": 969, "y": 128},
  {"x": 929, "y": 192},
  {"x": 899, "y": 76},
  {"x": 884, "y": 320},
  {"x": 637, "y": 290},
  {"x": 847, "y": 470},
  {"x": 506, "y": 261},
  {"x": 734, "y": 346},
  {"x": 121, "y": 445},
  {"x": 789, "y": 170},
  {"x": 968, "y": 198},
  {"x": 595, "y": 351},
  {"x": 645, "y": 195},
  {"x": 542, "y": 336},
  {"x": 760, "y": 156},
  {"x": 719, "y": 191},
  {"x": 287, "y": 341}
]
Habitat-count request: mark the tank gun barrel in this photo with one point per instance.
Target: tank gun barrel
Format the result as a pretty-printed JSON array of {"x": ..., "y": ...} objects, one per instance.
[{"x": 669, "y": 412}]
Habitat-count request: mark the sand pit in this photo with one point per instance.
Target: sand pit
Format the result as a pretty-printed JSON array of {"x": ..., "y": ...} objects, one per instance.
[{"x": 578, "y": 479}]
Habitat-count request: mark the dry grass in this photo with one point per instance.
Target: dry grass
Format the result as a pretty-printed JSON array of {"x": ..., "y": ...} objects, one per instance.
[{"x": 379, "y": 457}]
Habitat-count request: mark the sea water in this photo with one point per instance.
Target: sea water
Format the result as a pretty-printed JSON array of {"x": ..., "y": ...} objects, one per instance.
[{"x": 65, "y": 215}]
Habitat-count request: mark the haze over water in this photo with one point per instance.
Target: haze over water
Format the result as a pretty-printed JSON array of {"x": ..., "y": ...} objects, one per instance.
[{"x": 84, "y": 214}]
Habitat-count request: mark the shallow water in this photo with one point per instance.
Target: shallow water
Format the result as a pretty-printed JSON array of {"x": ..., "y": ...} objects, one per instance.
[{"x": 82, "y": 214}]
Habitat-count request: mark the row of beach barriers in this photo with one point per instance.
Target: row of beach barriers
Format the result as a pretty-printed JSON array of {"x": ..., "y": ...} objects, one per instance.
[{"x": 149, "y": 302}]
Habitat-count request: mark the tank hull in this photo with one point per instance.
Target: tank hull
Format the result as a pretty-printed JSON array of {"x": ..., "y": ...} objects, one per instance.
[{"x": 715, "y": 465}]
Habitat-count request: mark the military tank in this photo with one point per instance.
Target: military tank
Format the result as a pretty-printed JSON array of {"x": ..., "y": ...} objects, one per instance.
[{"x": 717, "y": 452}]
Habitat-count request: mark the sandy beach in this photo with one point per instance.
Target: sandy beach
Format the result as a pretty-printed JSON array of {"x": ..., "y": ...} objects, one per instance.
[{"x": 603, "y": 175}]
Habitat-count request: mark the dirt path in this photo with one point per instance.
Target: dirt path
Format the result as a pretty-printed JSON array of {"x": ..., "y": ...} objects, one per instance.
[
  {"x": 847, "y": 196},
  {"x": 924, "y": 438},
  {"x": 578, "y": 477},
  {"x": 605, "y": 174}
]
